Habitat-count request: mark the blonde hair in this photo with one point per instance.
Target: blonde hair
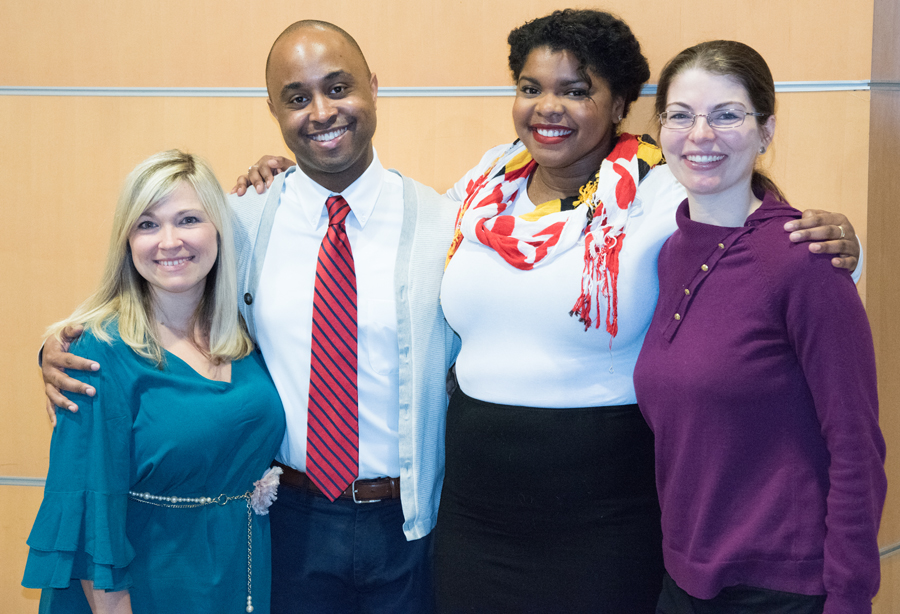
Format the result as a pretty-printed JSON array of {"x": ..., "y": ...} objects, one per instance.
[{"x": 125, "y": 295}]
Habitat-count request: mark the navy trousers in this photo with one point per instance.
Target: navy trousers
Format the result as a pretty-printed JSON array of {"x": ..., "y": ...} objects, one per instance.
[{"x": 343, "y": 557}]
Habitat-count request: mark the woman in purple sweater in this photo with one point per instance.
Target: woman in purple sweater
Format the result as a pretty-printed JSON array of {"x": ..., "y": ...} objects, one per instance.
[{"x": 769, "y": 459}]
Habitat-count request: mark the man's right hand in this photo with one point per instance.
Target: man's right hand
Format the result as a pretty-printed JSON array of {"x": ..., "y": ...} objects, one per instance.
[
  {"x": 261, "y": 174},
  {"x": 55, "y": 359}
]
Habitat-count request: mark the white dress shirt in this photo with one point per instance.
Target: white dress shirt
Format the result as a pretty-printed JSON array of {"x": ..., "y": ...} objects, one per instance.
[{"x": 284, "y": 303}]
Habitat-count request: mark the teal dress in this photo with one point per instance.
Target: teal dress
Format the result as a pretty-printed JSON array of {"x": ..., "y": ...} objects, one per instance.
[{"x": 166, "y": 432}]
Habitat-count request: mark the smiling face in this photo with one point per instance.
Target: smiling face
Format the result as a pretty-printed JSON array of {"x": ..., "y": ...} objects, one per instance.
[
  {"x": 174, "y": 246},
  {"x": 323, "y": 97},
  {"x": 713, "y": 162},
  {"x": 565, "y": 121}
]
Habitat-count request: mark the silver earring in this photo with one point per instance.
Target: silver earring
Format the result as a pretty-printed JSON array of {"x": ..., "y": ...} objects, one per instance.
[
  {"x": 762, "y": 150},
  {"x": 620, "y": 118}
]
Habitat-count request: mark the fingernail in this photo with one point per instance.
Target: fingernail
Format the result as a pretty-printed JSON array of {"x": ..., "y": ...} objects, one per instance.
[
  {"x": 95, "y": 366},
  {"x": 90, "y": 391},
  {"x": 790, "y": 226},
  {"x": 795, "y": 236},
  {"x": 73, "y": 407},
  {"x": 815, "y": 247}
]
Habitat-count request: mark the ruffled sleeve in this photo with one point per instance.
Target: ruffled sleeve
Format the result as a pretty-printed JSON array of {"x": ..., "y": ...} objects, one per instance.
[{"x": 79, "y": 532}]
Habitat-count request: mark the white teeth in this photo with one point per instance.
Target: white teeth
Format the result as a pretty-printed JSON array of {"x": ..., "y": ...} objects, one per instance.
[
  {"x": 553, "y": 132},
  {"x": 327, "y": 136},
  {"x": 704, "y": 159},
  {"x": 173, "y": 262}
]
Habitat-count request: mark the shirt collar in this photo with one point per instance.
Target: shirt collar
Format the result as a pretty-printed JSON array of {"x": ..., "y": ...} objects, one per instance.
[{"x": 361, "y": 195}]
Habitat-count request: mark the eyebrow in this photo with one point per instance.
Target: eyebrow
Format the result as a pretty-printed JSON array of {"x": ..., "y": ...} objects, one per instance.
[
  {"x": 149, "y": 213},
  {"x": 332, "y": 76},
  {"x": 563, "y": 83},
  {"x": 722, "y": 105}
]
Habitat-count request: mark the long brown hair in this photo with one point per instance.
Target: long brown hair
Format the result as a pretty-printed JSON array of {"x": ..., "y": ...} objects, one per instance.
[{"x": 743, "y": 64}]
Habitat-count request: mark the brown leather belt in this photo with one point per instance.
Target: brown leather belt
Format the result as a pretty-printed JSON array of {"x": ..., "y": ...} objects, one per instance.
[{"x": 360, "y": 491}]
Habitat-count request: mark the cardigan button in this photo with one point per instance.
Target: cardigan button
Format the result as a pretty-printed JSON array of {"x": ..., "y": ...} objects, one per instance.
[
  {"x": 677, "y": 316},
  {"x": 687, "y": 292},
  {"x": 721, "y": 246},
  {"x": 704, "y": 268},
  {"x": 248, "y": 298}
]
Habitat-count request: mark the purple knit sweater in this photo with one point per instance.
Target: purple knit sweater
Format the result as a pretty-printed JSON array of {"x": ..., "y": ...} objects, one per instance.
[{"x": 757, "y": 377}]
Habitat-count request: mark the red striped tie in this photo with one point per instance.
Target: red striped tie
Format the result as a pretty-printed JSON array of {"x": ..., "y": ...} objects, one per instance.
[{"x": 332, "y": 435}]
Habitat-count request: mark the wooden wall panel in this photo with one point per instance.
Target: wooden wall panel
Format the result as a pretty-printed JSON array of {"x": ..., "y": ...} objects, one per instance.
[
  {"x": 888, "y": 599},
  {"x": 884, "y": 225},
  {"x": 884, "y": 289},
  {"x": 885, "y": 42},
  {"x": 223, "y": 43},
  {"x": 18, "y": 508}
]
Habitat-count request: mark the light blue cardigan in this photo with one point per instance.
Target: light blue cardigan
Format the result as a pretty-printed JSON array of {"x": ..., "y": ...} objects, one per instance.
[{"x": 426, "y": 345}]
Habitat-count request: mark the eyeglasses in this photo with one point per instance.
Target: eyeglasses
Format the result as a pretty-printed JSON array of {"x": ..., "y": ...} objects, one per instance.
[{"x": 723, "y": 118}]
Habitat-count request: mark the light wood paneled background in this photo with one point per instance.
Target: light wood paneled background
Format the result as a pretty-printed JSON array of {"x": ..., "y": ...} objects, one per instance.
[
  {"x": 219, "y": 43},
  {"x": 884, "y": 293},
  {"x": 62, "y": 159}
]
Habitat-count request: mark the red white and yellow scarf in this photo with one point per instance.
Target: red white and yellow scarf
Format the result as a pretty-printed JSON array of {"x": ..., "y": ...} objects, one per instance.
[{"x": 553, "y": 227}]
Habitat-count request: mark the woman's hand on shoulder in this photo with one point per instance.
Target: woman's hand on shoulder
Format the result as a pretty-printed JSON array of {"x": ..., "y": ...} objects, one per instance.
[
  {"x": 261, "y": 174},
  {"x": 827, "y": 233}
]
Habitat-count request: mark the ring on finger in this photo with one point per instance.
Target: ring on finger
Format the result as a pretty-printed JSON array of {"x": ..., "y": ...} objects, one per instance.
[{"x": 842, "y": 231}]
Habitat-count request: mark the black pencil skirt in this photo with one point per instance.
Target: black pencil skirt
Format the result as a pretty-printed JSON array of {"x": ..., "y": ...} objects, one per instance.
[{"x": 547, "y": 511}]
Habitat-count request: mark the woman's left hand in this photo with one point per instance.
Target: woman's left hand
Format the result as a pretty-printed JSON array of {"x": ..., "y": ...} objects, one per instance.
[{"x": 829, "y": 233}]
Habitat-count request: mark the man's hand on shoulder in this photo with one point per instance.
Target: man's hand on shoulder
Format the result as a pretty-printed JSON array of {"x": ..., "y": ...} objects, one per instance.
[
  {"x": 261, "y": 174},
  {"x": 56, "y": 359},
  {"x": 827, "y": 233}
]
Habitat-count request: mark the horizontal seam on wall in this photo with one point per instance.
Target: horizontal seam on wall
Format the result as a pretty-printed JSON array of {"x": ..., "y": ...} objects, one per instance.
[
  {"x": 392, "y": 92},
  {"x": 6, "y": 480}
]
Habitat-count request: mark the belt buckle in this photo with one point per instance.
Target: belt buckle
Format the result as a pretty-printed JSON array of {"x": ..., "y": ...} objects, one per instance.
[{"x": 357, "y": 501}]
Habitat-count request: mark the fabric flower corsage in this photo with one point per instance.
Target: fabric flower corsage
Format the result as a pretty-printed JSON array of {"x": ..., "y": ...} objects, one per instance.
[{"x": 265, "y": 490}]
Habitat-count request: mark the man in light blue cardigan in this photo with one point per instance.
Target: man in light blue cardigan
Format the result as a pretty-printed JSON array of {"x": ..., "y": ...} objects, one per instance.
[{"x": 345, "y": 555}]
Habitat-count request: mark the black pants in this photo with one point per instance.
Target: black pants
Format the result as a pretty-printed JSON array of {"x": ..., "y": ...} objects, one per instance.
[
  {"x": 547, "y": 511},
  {"x": 737, "y": 600}
]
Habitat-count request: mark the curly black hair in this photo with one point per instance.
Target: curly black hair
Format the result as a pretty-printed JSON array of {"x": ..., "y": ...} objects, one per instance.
[{"x": 599, "y": 41}]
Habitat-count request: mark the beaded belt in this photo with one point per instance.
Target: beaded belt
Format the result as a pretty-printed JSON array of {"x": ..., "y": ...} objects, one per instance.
[{"x": 258, "y": 500}]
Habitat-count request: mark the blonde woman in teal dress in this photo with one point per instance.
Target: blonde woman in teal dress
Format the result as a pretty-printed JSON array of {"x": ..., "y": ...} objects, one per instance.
[{"x": 156, "y": 498}]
